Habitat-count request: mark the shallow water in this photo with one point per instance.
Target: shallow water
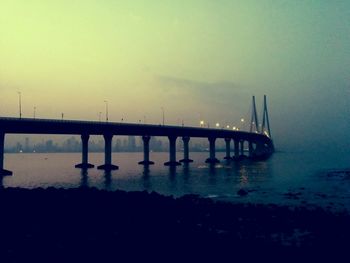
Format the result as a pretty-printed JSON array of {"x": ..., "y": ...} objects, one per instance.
[{"x": 286, "y": 178}]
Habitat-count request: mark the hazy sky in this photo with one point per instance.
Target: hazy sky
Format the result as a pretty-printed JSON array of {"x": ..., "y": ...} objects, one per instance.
[{"x": 197, "y": 59}]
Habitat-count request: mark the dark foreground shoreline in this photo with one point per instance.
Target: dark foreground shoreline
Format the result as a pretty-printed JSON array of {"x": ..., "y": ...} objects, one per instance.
[{"x": 77, "y": 225}]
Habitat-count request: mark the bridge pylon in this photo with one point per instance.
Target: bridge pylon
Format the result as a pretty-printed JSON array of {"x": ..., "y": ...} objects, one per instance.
[
  {"x": 265, "y": 127},
  {"x": 254, "y": 123}
]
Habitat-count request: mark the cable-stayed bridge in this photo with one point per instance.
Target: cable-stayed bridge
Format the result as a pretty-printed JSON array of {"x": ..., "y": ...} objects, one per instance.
[{"x": 259, "y": 140}]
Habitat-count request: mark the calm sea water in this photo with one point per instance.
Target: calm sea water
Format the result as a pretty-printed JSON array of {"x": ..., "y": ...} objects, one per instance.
[{"x": 286, "y": 178}]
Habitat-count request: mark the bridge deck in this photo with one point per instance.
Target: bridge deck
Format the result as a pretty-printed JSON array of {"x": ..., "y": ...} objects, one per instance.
[{"x": 50, "y": 126}]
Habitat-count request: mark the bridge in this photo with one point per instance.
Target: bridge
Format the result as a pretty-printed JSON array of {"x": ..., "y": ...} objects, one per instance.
[{"x": 260, "y": 144}]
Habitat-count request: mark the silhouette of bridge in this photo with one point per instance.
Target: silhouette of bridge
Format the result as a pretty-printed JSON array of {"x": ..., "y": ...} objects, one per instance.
[{"x": 260, "y": 144}]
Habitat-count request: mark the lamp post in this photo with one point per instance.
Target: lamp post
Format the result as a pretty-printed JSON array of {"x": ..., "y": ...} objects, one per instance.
[
  {"x": 162, "y": 114},
  {"x": 106, "y": 110},
  {"x": 99, "y": 116},
  {"x": 217, "y": 125},
  {"x": 34, "y": 112},
  {"x": 201, "y": 123},
  {"x": 20, "y": 104}
]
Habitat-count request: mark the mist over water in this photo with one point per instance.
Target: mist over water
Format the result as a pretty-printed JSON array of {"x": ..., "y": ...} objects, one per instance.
[{"x": 302, "y": 178}]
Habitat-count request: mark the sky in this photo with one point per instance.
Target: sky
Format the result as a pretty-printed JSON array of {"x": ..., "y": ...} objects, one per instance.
[{"x": 196, "y": 59}]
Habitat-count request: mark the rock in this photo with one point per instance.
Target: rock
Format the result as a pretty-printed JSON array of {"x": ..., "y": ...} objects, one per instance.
[{"x": 242, "y": 192}]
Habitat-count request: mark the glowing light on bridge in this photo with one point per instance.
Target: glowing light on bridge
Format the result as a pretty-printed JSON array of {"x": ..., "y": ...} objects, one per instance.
[
  {"x": 242, "y": 123},
  {"x": 265, "y": 132}
]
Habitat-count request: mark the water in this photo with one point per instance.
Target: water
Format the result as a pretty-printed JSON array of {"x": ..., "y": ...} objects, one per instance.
[{"x": 286, "y": 178}]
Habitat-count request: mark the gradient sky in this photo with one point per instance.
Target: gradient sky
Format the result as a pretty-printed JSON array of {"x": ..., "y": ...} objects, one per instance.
[{"x": 197, "y": 59}]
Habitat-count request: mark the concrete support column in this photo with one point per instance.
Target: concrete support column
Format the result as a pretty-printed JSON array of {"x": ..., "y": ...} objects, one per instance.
[
  {"x": 2, "y": 150},
  {"x": 2, "y": 146},
  {"x": 262, "y": 151},
  {"x": 108, "y": 154},
  {"x": 228, "y": 149},
  {"x": 186, "y": 158},
  {"x": 85, "y": 151},
  {"x": 146, "y": 160},
  {"x": 172, "y": 152},
  {"x": 212, "y": 158},
  {"x": 241, "y": 147},
  {"x": 236, "y": 142},
  {"x": 251, "y": 149}
]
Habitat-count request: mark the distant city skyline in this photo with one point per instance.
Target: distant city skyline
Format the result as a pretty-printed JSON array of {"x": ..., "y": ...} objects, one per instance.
[{"x": 120, "y": 144}]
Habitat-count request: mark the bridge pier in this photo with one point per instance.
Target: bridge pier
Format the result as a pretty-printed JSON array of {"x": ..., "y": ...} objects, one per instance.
[
  {"x": 85, "y": 151},
  {"x": 186, "y": 158},
  {"x": 146, "y": 160},
  {"x": 236, "y": 145},
  {"x": 172, "y": 152},
  {"x": 3, "y": 172},
  {"x": 212, "y": 159},
  {"x": 241, "y": 148},
  {"x": 251, "y": 149},
  {"x": 228, "y": 149},
  {"x": 108, "y": 166}
]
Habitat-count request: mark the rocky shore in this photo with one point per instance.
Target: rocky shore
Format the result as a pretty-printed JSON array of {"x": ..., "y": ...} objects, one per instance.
[{"x": 75, "y": 225}]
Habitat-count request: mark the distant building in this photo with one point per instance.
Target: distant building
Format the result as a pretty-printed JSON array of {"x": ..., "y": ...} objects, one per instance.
[
  {"x": 131, "y": 144},
  {"x": 26, "y": 145}
]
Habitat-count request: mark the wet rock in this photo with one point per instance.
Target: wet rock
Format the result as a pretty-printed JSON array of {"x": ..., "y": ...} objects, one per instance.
[
  {"x": 342, "y": 174},
  {"x": 324, "y": 196},
  {"x": 292, "y": 195},
  {"x": 242, "y": 192}
]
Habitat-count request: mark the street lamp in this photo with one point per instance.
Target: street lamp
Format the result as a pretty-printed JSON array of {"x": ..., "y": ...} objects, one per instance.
[
  {"x": 20, "y": 103},
  {"x": 228, "y": 126},
  {"x": 201, "y": 123},
  {"x": 99, "y": 116},
  {"x": 106, "y": 110},
  {"x": 34, "y": 112},
  {"x": 217, "y": 125},
  {"x": 162, "y": 114}
]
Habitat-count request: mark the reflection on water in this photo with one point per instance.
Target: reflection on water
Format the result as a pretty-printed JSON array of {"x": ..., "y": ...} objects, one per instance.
[
  {"x": 265, "y": 181},
  {"x": 173, "y": 178},
  {"x": 243, "y": 175},
  {"x": 84, "y": 178},
  {"x": 108, "y": 179},
  {"x": 186, "y": 172},
  {"x": 213, "y": 168},
  {"x": 146, "y": 182}
]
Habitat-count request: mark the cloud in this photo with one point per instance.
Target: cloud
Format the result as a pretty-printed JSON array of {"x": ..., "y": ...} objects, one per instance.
[{"x": 219, "y": 93}]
